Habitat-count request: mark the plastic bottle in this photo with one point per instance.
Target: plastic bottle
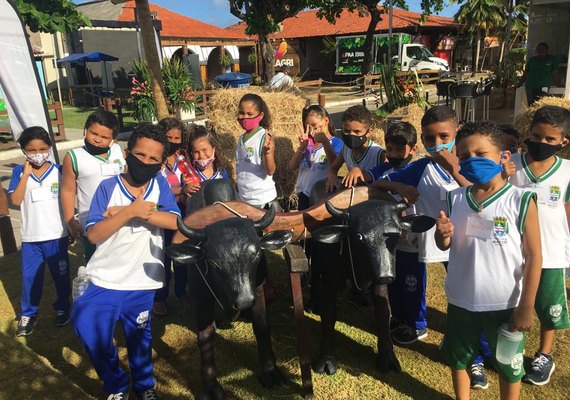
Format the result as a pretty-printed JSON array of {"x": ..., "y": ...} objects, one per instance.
[
  {"x": 80, "y": 283},
  {"x": 187, "y": 169}
]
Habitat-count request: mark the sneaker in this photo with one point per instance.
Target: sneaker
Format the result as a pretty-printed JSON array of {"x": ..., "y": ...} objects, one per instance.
[
  {"x": 395, "y": 324},
  {"x": 62, "y": 317},
  {"x": 478, "y": 377},
  {"x": 26, "y": 325},
  {"x": 160, "y": 308},
  {"x": 406, "y": 335},
  {"x": 119, "y": 396},
  {"x": 147, "y": 395},
  {"x": 541, "y": 369}
]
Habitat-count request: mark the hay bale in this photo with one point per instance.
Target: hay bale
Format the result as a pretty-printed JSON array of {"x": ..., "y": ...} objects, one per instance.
[
  {"x": 412, "y": 114},
  {"x": 285, "y": 107},
  {"x": 524, "y": 119}
]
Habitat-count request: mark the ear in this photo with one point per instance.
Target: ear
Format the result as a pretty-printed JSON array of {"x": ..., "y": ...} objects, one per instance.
[
  {"x": 185, "y": 253},
  {"x": 417, "y": 223},
  {"x": 275, "y": 240},
  {"x": 330, "y": 234},
  {"x": 414, "y": 150},
  {"x": 564, "y": 142}
]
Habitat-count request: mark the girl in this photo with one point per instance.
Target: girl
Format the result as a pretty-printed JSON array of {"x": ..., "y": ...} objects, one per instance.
[
  {"x": 34, "y": 187},
  {"x": 313, "y": 162},
  {"x": 174, "y": 131}
]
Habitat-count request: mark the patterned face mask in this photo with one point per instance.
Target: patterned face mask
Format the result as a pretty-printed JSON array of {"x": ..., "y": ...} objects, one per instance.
[
  {"x": 37, "y": 159},
  {"x": 203, "y": 164}
]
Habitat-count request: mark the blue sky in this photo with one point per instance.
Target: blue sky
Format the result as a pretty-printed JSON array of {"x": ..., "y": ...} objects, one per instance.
[{"x": 217, "y": 12}]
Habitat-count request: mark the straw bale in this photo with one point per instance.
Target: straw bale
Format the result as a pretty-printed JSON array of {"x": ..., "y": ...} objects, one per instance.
[
  {"x": 285, "y": 107},
  {"x": 524, "y": 119},
  {"x": 412, "y": 114}
]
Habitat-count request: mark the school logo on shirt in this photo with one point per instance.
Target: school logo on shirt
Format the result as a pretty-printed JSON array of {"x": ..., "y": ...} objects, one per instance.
[
  {"x": 54, "y": 190},
  {"x": 500, "y": 230},
  {"x": 142, "y": 319},
  {"x": 553, "y": 196},
  {"x": 555, "y": 312},
  {"x": 248, "y": 154},
  {"x": 517, "y": 364}
]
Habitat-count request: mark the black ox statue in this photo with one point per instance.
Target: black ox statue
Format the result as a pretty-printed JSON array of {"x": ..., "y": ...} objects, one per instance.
[{"x": 372, "y": 230}]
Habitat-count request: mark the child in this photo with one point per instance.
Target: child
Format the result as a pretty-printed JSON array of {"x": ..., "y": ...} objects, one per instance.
[
  {"x": 34, "y": 187},
  {"x": 126, "y": 221},
  {"x": 359, "y": 152},
  {"x": 492, "y": 230},
  {"x": 512, "y": 137},
  {"x": 174, "y": 131},
  {"x": 312, "y": 163},
  {"x": 85, "y": 167},
  {"x": 542, "y": 172}
]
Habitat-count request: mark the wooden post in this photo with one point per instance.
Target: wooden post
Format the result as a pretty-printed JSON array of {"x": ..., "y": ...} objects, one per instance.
[{"x": 321, "y": 100}]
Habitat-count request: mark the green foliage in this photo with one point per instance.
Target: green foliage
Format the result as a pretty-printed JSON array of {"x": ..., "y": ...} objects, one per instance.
[
  {"x": 400, "y": 91},
  {"x": 145, "y": 106},
  {"x": 508, "y": 73},
  {"x": 252, "y": 58},
  {"x": 51, "y": 16},
  {"x": 264, "y": 16},
  {"x": 225, "y": 59}
]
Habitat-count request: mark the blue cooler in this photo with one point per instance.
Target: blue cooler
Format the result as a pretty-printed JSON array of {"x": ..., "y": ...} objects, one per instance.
[{"x": 234, "y": 79}]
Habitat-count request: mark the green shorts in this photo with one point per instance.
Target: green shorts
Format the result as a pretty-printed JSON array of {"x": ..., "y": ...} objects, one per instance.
[
  {"x": 551, "y": 305},
  {"x": 463, "y": 334}
]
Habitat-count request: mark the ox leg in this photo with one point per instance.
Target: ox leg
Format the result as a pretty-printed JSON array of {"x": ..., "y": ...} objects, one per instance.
[
  {"x": 270, "y": 374},
  {"x": 386, "y": 359},
  {"x": 209, "y": 373}
]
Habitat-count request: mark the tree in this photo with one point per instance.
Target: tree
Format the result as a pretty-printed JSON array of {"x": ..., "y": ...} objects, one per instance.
[
  {"x": 51, "y": 16},
  {"x": 332, "y": 9},
  {"x": 262, "y": 18}
]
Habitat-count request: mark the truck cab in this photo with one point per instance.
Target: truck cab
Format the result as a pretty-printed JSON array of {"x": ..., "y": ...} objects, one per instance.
[{"x": 417, "y": 57}]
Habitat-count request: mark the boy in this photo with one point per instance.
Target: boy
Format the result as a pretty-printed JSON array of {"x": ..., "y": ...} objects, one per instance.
[
  {"x": 492, "y": 230},
  {"x": 359, "y": 152},
  {"x": 512, "y": 138},
  {"x": 426, "y": 182},
  {"x": 126, "y": 221},
  {"x": 542, "y": 172},
  {"x": 85, "y": 167}
]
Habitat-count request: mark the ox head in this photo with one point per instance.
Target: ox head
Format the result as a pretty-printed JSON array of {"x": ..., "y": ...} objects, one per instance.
[
  {"x": 232, "y": 249},
  {"x": 373, "y": 228}
]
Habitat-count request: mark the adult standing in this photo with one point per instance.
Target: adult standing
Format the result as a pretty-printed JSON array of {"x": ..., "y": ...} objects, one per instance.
[
  {"x": 281, "y": 80},
  {"x": 541, "y": 72}
]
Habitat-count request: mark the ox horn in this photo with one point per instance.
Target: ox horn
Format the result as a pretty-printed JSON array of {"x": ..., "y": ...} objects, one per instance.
[
  {"x": 400, "y": 206},
  {"x": 191, "y": 233},
  {"x": 266, "y": 220},
  {"x": 337, "y": 212}
]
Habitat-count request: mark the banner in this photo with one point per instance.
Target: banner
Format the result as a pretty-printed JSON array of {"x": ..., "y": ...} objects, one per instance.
[{"x": 19, "y": 78}]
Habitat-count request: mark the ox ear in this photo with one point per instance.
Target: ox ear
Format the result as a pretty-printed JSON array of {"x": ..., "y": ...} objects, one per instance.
[
  {"x": 275, "y": 240},
  {"x": 185, "y": 253},
  {"x": 417, "y": 223},
  {"x": 330, "y": 233}
]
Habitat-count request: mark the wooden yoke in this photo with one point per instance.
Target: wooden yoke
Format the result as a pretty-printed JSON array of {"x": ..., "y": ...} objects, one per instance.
[{"x": 310, "y": 218}]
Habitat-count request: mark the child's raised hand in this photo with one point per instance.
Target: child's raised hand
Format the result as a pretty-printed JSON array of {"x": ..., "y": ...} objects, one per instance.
[
  {"x": 27, "y": 169},
  {"x": 447, "y": 160},
  {"x": 320, "y": 137},
  {"x": 444, "y": 226},
  {"x": 509, "y": 168},
  {"x": 303, "y": 138},
  {"x": 268, "y": 144},
  {"x": 141, "y": 208},
  {"x": 353, "y": 177}
]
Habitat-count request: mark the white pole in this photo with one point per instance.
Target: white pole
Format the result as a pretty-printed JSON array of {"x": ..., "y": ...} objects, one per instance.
[{"x": 390, "y": 16}]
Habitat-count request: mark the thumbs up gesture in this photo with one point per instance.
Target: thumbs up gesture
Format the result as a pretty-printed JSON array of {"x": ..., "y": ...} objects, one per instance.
[
  {"x": 141, "y": 208},
  {"x": 444, "y": 226}
]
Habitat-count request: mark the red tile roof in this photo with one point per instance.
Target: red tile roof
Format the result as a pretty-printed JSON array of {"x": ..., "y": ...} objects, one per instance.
[
  {"x": 307, "y": 24},
  {"x": 176, "y": 25}
]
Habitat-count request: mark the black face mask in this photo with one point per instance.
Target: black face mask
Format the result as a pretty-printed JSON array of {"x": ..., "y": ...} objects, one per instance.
[
  {"x": 399, "y": 162},
  {"x": 94, "y": 150},
  {"x": 139, "y": 171},
  {"x": 541, "y": 151},
  {"x": 173, "y": 148},
  {"x": 353, "y": 142}
]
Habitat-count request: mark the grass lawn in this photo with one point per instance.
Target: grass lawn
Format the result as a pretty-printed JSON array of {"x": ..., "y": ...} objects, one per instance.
[
  {"x": 51, "y": 364},
  {"x": 74, "y": 117}
]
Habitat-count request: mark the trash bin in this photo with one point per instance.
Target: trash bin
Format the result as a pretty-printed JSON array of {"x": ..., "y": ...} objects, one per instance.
[{"x": 234, "y": 79}]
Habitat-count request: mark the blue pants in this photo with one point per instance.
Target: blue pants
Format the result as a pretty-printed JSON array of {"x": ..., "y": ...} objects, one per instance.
[
  {"x": 408, "y": 291},
  {"x": 94, "y": 316},
  {"x": 34, "y": 257},
  {"x": 180, "y": 273}
]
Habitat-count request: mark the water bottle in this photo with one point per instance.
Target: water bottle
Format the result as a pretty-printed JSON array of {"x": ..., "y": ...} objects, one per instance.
[
  {"x": 507, "y": 344},
  {"x": 187, "y": 169},
  {"x": 80, "y": 283}
]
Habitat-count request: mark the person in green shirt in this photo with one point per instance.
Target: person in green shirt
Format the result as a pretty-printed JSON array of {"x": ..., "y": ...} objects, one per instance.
[{"x": 541, "y": 71}]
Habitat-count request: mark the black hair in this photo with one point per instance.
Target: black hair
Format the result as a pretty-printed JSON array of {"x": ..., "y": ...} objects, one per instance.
[
  {"x": 150, "y": 131},
  {"x": 543, "y": 44},
  {"x": 401, "y": 134},
  {"x": 439, "y": 114},
  {"x": 261, "y": 106},
  {"x": 105, "y": 118},
  {"x": 32, "y": 133},
  {"x": 321, "y": 112},
  {"x": 510, "y": 130},
  {"x": 169, "y": 123},
  {"x": 358, "y": 113},
  {"x": 484, "y": 128},
  {"x": 196, "y": 132},
  {"x": 555, "y": 116}
]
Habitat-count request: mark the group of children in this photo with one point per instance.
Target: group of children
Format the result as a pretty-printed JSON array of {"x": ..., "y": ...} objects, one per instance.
[{"x": 498, "y": 214}]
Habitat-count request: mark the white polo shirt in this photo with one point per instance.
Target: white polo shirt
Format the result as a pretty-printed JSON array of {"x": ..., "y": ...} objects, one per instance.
[{"x": 372, "y": 157}]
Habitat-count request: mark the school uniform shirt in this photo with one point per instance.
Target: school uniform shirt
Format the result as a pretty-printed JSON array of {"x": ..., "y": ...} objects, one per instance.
[
  {"x": 41, "y": 211},
  {"x": 432, "y": 183},
  {"x": 173, "y": 175},
  {"x": 552, "y": 190},
  {"x": 314, "y": 167},
  {"x": 372, "y": 157},
  {"x": 131, "y": 258},
  {"x": 218, "y": 174},
  {"x": 90, "y": 171},
  {"x": 486, "y": 261},
  {"x": 254, "y": 185}
]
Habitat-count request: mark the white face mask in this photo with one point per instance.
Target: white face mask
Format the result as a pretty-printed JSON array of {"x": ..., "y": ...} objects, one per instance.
[
  {"x": 37, "y": 159},
  {"x": 203, "y": 164}
]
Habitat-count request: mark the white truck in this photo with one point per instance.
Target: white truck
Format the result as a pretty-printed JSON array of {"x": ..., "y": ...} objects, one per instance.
[{"x": 410, "y": 56}]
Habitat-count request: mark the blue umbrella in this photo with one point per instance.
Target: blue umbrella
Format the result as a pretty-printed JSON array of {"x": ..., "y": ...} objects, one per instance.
[{"x": 87, "y": 57}]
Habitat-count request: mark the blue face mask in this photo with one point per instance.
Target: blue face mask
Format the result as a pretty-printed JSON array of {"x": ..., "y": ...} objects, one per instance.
[
  {"x": 444, "y": 146},
  {"x": 479, "y": 170}
]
